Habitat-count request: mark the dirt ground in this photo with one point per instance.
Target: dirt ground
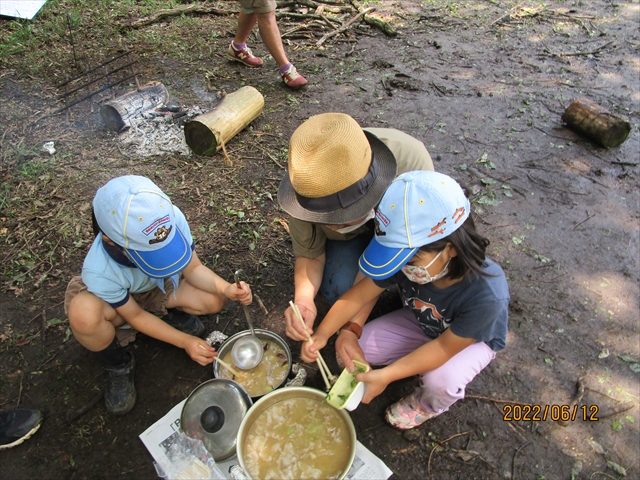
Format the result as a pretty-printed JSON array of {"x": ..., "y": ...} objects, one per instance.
[{"x": 484, "y": 85}]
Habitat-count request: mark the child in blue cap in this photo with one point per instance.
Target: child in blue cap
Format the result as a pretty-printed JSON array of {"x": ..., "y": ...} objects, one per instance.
[
  {"x": 142, "y": 265},
  {"x": 455, "y": 315}
]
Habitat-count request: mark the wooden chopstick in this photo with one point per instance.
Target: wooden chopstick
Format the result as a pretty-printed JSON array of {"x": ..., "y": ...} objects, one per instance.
[
  {"x": 227, "y": 366},
  {"x": 224, "y": 364},
  {"x": 322, "y": 366}
]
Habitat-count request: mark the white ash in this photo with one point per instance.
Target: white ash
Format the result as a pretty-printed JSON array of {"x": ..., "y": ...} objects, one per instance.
[{"x": 157, "y": 133}]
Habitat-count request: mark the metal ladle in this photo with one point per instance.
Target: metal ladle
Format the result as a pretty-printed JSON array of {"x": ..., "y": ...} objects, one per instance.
[{"x": 247, "y": 350}]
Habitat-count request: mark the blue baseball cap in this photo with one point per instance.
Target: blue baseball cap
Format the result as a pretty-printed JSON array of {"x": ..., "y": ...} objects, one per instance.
[
  {"x": 417, "y": 209},
  {"x": 136, "y": 215}
]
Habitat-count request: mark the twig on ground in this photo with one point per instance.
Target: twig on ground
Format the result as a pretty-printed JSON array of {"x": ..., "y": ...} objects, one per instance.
[
  {"x": 513, "y": 461},
  {"x": 344, "y": 27},
  {"x": 86, "y": 408},
  {"x": 20, "y": 390},
  {"x": 495, "y": 400},
  {"x": 259, "y": 300},
  {"x": 580, "y": 223},
  {"x": 622, "y": 408},
  {"x": 182, "y": 10}
]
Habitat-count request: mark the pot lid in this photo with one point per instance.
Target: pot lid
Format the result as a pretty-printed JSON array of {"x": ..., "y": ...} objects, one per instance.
[{"x": 213, "y": 413}]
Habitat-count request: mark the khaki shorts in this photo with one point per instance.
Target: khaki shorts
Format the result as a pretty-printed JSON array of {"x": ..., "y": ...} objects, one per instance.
[
  {"x": 154, "y": 301},
  {"x": 258, "y": 6}
]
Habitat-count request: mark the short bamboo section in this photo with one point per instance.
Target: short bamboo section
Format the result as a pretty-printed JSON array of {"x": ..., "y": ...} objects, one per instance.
[
  {"x": 209, "y": 132},
  {"x": 595, "y": 122}
]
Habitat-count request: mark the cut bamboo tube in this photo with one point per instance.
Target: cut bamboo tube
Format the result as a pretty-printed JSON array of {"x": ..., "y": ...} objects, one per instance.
[
  {"x": 593, "y": 121},
  {"x": 207, "y": 133}
]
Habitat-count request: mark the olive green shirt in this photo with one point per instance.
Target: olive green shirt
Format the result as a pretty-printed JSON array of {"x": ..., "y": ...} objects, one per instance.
[{"x": 410, "y": 154}]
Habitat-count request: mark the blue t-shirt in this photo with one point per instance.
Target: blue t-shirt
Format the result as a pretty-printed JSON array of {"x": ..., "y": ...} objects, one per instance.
[
  {"x": 476, "y": 307},
  {"x": 113, "y": 281}
]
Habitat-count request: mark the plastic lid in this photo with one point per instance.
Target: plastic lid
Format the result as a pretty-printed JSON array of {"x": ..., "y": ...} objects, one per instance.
[{"x": 213, "y": 413}]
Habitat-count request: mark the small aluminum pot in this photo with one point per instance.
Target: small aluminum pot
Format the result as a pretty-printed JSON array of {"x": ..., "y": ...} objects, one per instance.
[
  {"x": 262, "y": 335},
  {"x": 285, "y": 394}
]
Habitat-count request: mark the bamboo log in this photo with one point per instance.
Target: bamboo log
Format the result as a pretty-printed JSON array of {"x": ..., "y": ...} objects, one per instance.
[
  {"x": 117, "y": 112},
  {"x": 590, "y": 119},
  {"x": 209, "y": 132}
]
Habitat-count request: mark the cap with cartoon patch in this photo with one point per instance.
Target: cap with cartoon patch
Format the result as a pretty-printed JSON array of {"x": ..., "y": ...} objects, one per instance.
[
  {"x": 136, "y": 215},
  {"x": 417, "y": 209}
]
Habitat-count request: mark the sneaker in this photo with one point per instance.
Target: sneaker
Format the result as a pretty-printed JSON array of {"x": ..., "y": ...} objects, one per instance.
[
  {"x": 185, "y": 322},
  {"x": 18, "y": 425},
  {"x": 293, "y": 79},
  {"x": 243, "y": 55},
  {"x": 407, "y": 413},
  {"x": 120, "y": 392}
]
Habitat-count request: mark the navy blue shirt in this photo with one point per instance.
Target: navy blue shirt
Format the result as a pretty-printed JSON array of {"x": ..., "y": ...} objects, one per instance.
[{"x": 476, "y": 307}]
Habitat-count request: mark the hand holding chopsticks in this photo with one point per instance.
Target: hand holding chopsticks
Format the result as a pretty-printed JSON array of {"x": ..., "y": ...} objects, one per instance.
[
  {"x": 224, "y": 364},
  {"x": 327, "y": 376}
]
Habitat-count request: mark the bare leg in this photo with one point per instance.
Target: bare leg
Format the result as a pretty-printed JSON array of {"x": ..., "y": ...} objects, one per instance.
[
  {"x": 270, "y": 34},
  {"x": 245, "y": 25},
  {"x": 93, "y": 321}
]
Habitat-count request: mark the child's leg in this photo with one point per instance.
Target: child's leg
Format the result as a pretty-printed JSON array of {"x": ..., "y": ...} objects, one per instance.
[
  {"x": 442, "y": 387},
  {"x": 392, "y": 336},
  {"x": 192, "y": 300},
  {"x": 92, "y": 321}
]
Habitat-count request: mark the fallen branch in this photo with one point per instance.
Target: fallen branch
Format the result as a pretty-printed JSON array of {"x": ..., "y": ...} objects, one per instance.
[
  {"x": 182, "y": 10},
  {"x": 344, "y": 27},
  {"x": 380, "y": 24}
]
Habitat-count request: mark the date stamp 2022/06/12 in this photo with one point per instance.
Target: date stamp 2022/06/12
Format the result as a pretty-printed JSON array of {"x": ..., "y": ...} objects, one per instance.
[{"x": 540, "y": 413}]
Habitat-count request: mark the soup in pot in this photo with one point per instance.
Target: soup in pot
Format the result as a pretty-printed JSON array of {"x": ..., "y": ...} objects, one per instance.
[
  {"x": 266, "y": 376},
  {"x": 297, "y": 438}
]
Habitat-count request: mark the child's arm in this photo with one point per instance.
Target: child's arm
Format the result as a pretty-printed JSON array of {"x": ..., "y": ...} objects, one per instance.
[
  {"x": 424, "y": 359},
  {"x": 149, "y": 324},
  {"x": 345, "y": 309},
  {"x": 203, "y": 278}
]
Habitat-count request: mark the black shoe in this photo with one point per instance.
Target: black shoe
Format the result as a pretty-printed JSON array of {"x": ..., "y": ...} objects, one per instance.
[
  {"x": 185, "y": 322},
  {"x": 18, "y": 425},
  {"x": 120, "y": 392}
]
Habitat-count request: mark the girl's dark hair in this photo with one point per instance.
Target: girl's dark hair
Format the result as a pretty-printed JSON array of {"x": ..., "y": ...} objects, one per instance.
[
  {"x": 470, "y": 246},
  {"x": 94, "y": 224}
]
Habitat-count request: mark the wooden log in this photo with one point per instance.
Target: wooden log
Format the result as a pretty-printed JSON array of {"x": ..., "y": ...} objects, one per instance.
[
  {"x": 207, "y": 133},
  {"x": 118, "y": 112},
  {"x": 595, "y": 122}
]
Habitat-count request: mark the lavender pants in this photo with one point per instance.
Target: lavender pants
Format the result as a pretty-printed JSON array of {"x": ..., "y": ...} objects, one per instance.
[{"x": 392, "y": 336}]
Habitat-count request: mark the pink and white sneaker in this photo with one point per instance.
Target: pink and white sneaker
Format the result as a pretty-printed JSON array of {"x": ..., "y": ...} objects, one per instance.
[
  {"x": 243, "y": 55},
  {"x": 293, "y": 79},
  {"x": 406, "y": 414}
]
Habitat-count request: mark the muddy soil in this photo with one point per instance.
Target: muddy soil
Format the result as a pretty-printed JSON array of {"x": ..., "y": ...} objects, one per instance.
[{"x": 484, "y": 86}]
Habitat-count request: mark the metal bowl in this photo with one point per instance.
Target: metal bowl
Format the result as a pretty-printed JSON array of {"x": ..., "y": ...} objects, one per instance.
[
  {"x": 284, "y": 394},
  {"x": 262, "y": 335}
]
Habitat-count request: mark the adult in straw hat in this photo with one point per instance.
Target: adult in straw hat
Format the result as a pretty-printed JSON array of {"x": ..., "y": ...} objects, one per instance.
[{"x": 338, "y": 172}]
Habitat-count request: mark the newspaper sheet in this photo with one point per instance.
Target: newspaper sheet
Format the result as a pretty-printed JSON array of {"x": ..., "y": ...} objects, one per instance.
[
  {"x": 21, "y": 8},
  {"x": 159, "y": 435}
]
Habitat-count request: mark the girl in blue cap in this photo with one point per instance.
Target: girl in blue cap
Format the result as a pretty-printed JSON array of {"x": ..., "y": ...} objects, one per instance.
[{"x": 455, "y": 314}]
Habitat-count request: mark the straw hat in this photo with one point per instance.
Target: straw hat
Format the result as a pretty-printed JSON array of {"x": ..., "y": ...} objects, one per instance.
[{"x": 337, "y": 171}]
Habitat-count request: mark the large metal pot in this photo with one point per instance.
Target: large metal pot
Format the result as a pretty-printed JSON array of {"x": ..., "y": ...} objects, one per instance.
[
  {"x": 262, "y": 335},
  {"x": 284, "y": 394}
]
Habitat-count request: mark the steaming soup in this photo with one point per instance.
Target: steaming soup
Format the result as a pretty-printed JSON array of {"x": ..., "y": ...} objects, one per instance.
[
  {"x": 298, "y": 438},
  {"x": 266, "y": 376}
]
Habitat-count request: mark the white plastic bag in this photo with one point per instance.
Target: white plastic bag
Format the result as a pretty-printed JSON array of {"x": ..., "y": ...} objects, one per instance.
[{"x": 187, "y": 459}]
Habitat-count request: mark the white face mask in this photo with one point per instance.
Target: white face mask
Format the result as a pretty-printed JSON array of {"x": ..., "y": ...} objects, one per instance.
[
  {"x": 420, "y": 275},
  {"x": 351, "y": 228}
]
